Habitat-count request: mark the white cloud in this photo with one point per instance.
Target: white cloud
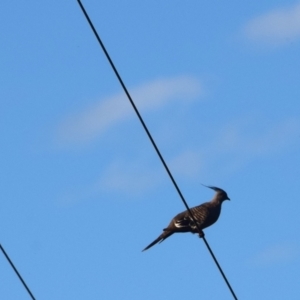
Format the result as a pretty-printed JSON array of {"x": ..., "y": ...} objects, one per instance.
[
  {"x": 124, "y": 178},
  {"x": 275, "y": 27},
  {"x": 233, "y": 146},
  {"x": 250, "y": 140},
  {"x": 281, "y": 253},
  {"x": 132, "y": 178},
  {"x": 89, "y": 124},
  {"x": 243, "y": 142},
  {"x": 188, "y": 163},
  {"x": 226, "y": 151}
]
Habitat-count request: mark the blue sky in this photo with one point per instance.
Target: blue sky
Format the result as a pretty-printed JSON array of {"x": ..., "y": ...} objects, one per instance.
[{"x": 83, "y": 191}]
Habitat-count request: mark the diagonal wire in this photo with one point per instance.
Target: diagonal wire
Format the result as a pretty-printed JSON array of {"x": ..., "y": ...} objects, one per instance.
[
  {"x": 18, "y": 274},
  {"x": 154, "y": 144}
]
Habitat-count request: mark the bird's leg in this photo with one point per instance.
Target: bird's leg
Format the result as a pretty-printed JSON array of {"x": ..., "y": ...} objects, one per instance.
[{"x": 201, "y": 234}]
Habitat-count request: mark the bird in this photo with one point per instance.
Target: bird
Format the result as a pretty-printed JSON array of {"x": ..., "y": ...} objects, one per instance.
[{"x": 205, "y": 215}]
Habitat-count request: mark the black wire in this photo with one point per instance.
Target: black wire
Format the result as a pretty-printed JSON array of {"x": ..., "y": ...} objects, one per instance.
[
  {"x": 152, "y": 141},
  {"x": 20, "y": 277},
  {"x": 220, "y": 269}
]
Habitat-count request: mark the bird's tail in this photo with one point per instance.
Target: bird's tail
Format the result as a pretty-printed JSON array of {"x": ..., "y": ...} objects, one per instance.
[{"x": 160, "y": 239}]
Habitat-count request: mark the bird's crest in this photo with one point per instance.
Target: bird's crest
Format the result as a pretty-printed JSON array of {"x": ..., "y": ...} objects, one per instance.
[
  {"x": 220, "y": 192},
  {"x": 214, "y": 188}
]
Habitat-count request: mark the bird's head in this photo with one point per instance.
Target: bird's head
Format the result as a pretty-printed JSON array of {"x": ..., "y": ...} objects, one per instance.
[{"x": 221, "y": 195}]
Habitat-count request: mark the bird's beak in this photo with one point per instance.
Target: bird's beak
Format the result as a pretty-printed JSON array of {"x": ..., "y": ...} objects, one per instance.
[{"x": 228, "y": 198}]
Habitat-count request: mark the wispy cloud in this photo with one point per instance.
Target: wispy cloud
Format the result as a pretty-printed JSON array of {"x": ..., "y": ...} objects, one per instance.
[
  {"x": 98, "y": 118},
  {"x": 235, "y": 145},
  {"x": 241, "y": 143},
  {"x": 188, "y": 163},
  {"x": 276, "y": 27},
  {"x": 280, "y": 253},
  {"x": 250, "y": 138},
  {"x": 124, "y": 178},
  {"x": 229, "y": 149},
  {"x": 130, "y": 178}
]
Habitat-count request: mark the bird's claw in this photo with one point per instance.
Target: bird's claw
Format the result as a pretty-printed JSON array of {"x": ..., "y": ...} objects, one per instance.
[{"x": 201, "y": 234}]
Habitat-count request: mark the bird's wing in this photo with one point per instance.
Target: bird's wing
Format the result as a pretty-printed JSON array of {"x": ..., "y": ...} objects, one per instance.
[{"x": 184, "y": 220}]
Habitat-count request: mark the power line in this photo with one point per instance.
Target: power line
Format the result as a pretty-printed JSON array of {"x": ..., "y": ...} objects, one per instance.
[
  {"x": 154, "y": 144},
  {"x": 16, "y": 271}
]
